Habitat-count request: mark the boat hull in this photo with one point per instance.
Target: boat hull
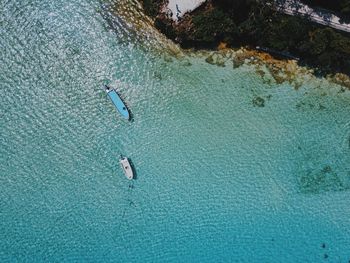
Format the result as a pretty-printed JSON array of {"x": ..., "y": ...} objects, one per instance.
[
  {"x": 125, "y": 164},
  {"x": 118, "y": 103}
]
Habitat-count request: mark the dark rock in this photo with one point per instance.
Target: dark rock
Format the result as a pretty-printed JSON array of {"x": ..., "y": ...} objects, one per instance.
[
  {"x": 321, "y": 107},
  {"x": 258, "y": 102},
  {"x": 210, "y": 60},
  {"x": 237, "y": 63},
  {"x": 157, "y": 75},
  {"x": 327, "y": 169}
]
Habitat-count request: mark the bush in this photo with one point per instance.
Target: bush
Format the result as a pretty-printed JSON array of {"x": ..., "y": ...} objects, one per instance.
[
  {"x": 213, "y": 26},
  {"x": 152, "y": 7}
]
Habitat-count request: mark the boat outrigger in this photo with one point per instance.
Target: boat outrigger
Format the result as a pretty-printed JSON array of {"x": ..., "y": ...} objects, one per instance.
[
  {"x": 125, "y": 164},
  {"x": 117, "y": 101}
]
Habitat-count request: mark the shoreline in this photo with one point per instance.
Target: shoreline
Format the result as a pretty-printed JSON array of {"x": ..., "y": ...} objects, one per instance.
[
  {"x": 281, "y": 68},
  {"x": 208, "y": 27},
  {"x": 267, "y": 67}
]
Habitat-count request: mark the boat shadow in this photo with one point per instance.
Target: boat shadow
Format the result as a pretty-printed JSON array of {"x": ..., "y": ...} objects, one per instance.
[
  {"x": 131, "y": 119},
  {"x": 133, "y": 169}
]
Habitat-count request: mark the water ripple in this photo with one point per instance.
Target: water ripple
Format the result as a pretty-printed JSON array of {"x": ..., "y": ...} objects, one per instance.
[{"x": 217, "y": 176}]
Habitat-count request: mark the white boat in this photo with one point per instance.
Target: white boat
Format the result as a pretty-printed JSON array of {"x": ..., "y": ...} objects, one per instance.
[{"x": 125, "y": 164}]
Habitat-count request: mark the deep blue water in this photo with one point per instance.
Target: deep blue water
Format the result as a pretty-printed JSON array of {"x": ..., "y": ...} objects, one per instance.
[{"x": 218, "y": 179}]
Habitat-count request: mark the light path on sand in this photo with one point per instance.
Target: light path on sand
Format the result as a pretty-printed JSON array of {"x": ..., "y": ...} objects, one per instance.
[{"x": 291, "y": 7}]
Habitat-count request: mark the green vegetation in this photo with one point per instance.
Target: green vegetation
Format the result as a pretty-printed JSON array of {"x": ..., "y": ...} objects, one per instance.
[
  {"x": 321, "y": 47},
  {"x": 152, "y": 7},
  {"x": 218, "y": 26},
  {"x": 252, "y": 23},
  {"x": 164, "y": 25}
]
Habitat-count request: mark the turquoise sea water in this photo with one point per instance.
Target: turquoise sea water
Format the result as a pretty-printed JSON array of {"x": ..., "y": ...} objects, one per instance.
[{"x": 218, "y": 179}]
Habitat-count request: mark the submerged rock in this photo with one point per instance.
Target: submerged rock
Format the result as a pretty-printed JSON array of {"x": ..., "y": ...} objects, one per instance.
[
  {"x": 341, "y": 79},
  {"x": 323, "y": 180},
  {"x": 216, "y": 59},
  {"x": 210, "y": 60},
  {"x": 240, "y": 58},
  {"x": 258, "y": 102}
]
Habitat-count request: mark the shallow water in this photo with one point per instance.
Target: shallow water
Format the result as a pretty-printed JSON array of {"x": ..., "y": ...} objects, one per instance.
[{"x": 219, "y": 179}]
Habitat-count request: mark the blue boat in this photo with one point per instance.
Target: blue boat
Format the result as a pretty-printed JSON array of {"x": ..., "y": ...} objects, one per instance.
[{"x": 118, "y": 103}]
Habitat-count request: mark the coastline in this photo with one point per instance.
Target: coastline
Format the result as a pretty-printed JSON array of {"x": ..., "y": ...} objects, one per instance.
[
  {"x": 140, "y": 26},
  {"x": 270, "y": 69},
  {"x": 200, "y": 30}
]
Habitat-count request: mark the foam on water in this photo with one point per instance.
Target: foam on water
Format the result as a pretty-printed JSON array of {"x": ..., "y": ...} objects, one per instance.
[{"x": 219, "y": 177}]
